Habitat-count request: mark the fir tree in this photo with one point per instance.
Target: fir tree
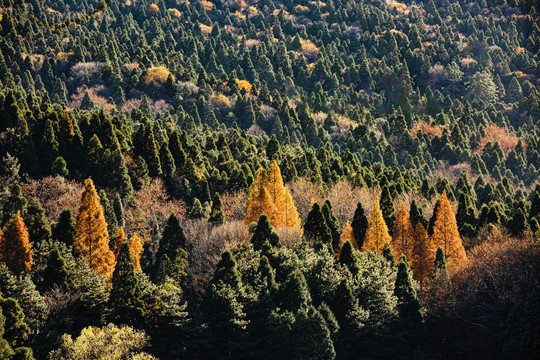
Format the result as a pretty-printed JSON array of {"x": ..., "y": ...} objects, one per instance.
[
  {"x": 56, "y": 271},
  {"x": 64, "y": 230},
  {"x": 15, "y": 247},
  {"x": 332, "y": 223},
  {"x": 15, "y": 202},
  {"x": 387, "y": 207},
  {"x": 92, "y": 237},
  {"x": 408, "y": 304},
  {"x": 226, "y": 271},
  {"x": 125, "y": 299},
  {"x": 196, "y": 211},
  {"x": 119, "y": 211},
  {"x": 294, "y": 294},
  {"x": 417, "y": 215},
  {"x": 359, "y": 225},
  {"x": 217, "y": 217},
  {"x": 348, "y": 257},
  {"x": 38, "y": 225},
  {"x": 264, "y": 233},
  {"x": 315, "y": 228}
]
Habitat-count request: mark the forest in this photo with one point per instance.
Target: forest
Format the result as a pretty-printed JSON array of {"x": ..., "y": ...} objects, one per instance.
[{"x": 239, "y": 179}]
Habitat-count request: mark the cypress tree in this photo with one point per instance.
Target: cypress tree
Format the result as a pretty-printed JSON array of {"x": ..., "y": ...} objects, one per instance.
[
  {"x": 359, "y": 225},
  {"x": 264, "y": 232},
  {"x": 125, "y": 299},
  {"x": 226, "y": 271},
  {"x": 348, "y": 257},
  {"x": 16, "y": 330},
  {"x": 56, "y": 272},
  {"x": 388, "y": 254},
  {"x": 408, "y": 304},
  {"x": 38, "y": 225},
  {"x": 15, "y": 202},
  {"x": 417, "y": 215},
  {"x": 196, "y": 211},
  {"x": 294, "y": 294},
  {"x": 387, "y": 207},
  {"x": 6, "y": 352},
  {"x": 64, "y": 230},
  {"x": 119, "y": 211},
  {"x": 332, "y": 223},
  {"x": 217, "y": 217},
  {"x": 315, "y": 228}
]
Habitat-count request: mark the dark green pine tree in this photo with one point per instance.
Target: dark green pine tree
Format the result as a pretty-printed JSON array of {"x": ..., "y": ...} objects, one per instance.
[
  {"x": 217, "y": 216},
  {"x": 433, "y": 218},
  {"x": 119, "y": 211},
  {"x": 56, "y": 272},
  {"x": 359, "y": 225},
  {"x": 408, "y": 304},
  {"x": 168, "y": 166},
  {"x": 171, "y": 250},
  {"x": 36, "y": 222},
  {"x": 294, "y": 294},
  {"x": 6, "y": 352},
  {"x": 226, "y": 271},
  {"x": 264, "y": 232},
  {"x": 417, "y": 215},
  {"x": 535, "y": 206},
  {"x": 439, "y": 265},
  {"x": 315, "y": 228},
  {"x": 125, "y": 299},
  {"x": 15, "y": 202},
  {"x": 16, "y": 330},
  {"x": 466, "y": 215},
  {"x": 311, "y": 338},
  {"x": 387, "y": 207},
  {"x": 110, "y": 217},
  {"x": 196, "y": 211},
  {"x": 518, "y": 223},
  {"x": 332, "y": 223},
  {"x": 348, "y": 257},
  {"x": 64, "y": 230},
  {"x": 149, "y": 151}
]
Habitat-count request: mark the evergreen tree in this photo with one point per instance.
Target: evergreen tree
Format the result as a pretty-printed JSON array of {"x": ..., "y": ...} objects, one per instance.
[
  {"x": 263, "y": 233},
  {"x": 171, "y": 256},
  {"x": 377, "y": 231},
  {"x": 125, "y": 299},
  {"x": 196, "y": 211},
  {"x": 518, "y": 223},
  {"x": 294, "y": 294},
  {"x": 38, "y": 225},
  {"x": 347, "y": 235},
  {"x": 332, "y": 223},
  {"x": 65, "y": 230},
  {"x": 217, "y": 217},
  {"x": 119, "y": 211},
  {"x": 348, "y": 257},
  {"x": 315, "y": 228},
  {"x": 446, "y": 234},
  {"x": 15, "y": 247},
  {"x": 226, "y": 271},
  {"x": 417, "y": 215},
  {"x": 5, "y": 349},
  {"x": 359, "y": 225},
  {"x": 15, "y": 202},
  {"x": 387, "y": 207},
  {"x": 92, "y": 237},
  {"x": 16, "y": 330},
  {"x": 408, "y": 304},
  {"x": 56, "y": 271}
]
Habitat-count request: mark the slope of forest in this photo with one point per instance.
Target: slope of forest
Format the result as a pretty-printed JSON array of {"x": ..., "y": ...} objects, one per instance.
[{"x": 276, "y": 179}]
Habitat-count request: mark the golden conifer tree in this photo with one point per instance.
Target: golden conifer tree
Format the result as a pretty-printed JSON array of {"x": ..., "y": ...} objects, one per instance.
[
  {"x": 402, "y": 235},
  {"x": 377, "y": 231},
  {"x": 446, "y": 234},
  {"x": 92, "y": 238},
  {"x": 347, "y": 235},
  {"x": 15, "y": 247},
  {"x": 120, "y": 239},
  {"x": 254, "y": 193},
  {"x": 286, "y": 213},
  {"x": 423, "y": 255},
  {"x": 136, "y": 248}
]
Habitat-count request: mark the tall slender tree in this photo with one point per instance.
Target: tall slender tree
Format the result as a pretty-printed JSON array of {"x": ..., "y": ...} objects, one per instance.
[
  {"x": 377, "y": 231},
  {"x": 92, "y": 237},
  {"x": 423, "y": 255},
  {"x": 402, "y": 234},
  {"x": 15, "y": 247},
  {"x": 359, "y": 224}
]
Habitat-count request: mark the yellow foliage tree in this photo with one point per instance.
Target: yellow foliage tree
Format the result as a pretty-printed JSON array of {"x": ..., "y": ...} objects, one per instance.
[
  {"x": 120, "y": 238},
  {"x": 268, "y": 195},
  {"x": 377, "y": 231},
  {"x": 286, "y": 213},
  {"x": 92, "y": 238},
  {"x": 402, "y": 235},
  {"x": 446, "y": 234},
  {"x": 347, "y": 235},
  {"x": 15, "y": 247},
  {"x": 423, "y": 255}
]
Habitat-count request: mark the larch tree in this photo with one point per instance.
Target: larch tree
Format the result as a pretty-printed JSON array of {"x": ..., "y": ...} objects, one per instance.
[
  {"x": 260, "y": 200},
  {"x": 15, "y": 247},
  {"x": 402, "y": 234},
  {"x": 92, "y": 237},
  {"x": 136, "y": 248},
  {"x": 347, "y": 235},
  {"x": 377, "y": 231},
  {"x": 423, "y": 255},
  {"x": 446, "y": 234}
]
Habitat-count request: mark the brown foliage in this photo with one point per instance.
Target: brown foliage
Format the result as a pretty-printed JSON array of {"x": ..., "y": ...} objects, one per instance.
[
  {"x": 495, "y": 133},
  {"x": 304, "y": 192},
  {"x": 402, "y": 235},
  {"x": 234, "y": 205},
  {"x": 15, "y": 247},
  {"x": 423, "y": 256},
  {"x": 347, "y": 235}
]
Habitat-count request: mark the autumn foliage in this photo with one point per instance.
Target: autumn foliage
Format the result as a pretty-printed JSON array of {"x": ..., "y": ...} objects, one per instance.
[
  {"x": 15, "y": 247},
  {"x": 402, "y": 235},
  {"x": 377, "y": 231},
  {"x": 268, "y": 195},
  {"x": 92, "y": 238},
  {"x": 347, "y": 235}
]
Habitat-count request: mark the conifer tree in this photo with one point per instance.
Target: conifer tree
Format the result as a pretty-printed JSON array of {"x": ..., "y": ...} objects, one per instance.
[
  {"x": 260, "y": 200},
  {"x": 217, "y": 217},
  {"x": 294, "y": 294},
  {"x": 387, "y": 207},
  {"x": 377, "y": 231},
  {"x": 56, "y": 272},
  {"x": 387, "y": 254},
  {"x": 315, "y": 228},
  {"x": 92, "y": 237},
  {"x": 359, "y": 225},
  {"x": 348, "y": 257},
  {"x": 332, "y": 223},
  {"x": 347, "y": 235},
  {"x": 408, "y": 304},
  {"x": 171, "y": 256},
  {"x": 15, "y": 247},
  {"x": 136, "y": 248},
  {"x": 417, "y": 215},
  {"x": 226, "y": 271},
  {"x": 64, "y": 230},
  {"x": 119, "y": 211},
  {"x": 108, "y": 212},
  {"x": 446, "y": 235},
  {"x": 125, "y": 299},
  {"x": 423, "y": 255},
  {"x": 16, "y": 330},
  {"x": 15, "y": 202},
  {"x": 6, "y": 352},
  {"x": 264, "y": 232},
  {"x": 36, "y": 222},
  {"x": 402, "y": 234}
]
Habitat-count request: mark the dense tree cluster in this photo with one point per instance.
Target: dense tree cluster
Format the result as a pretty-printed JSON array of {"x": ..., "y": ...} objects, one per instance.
[{"x": 297, "y": 180}]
